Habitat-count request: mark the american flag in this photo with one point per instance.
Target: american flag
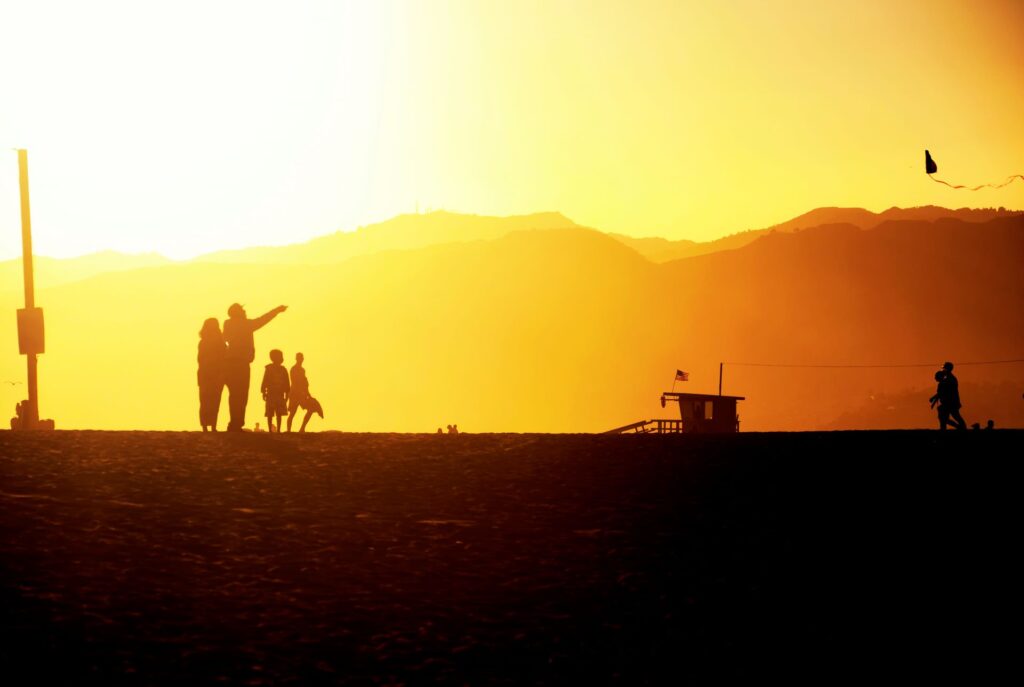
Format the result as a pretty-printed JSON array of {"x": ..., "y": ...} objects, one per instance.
[{"x": 682, "y": 376}]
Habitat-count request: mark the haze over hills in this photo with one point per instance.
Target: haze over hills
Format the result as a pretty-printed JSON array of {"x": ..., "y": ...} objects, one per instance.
[
  {"x": 418, "y": 230},
  {"x": 57, "y": 271},
  {"x": 399, "y": 233},
  {"x": 406, "y": 232},
  {"x": 560, "y": 329}
]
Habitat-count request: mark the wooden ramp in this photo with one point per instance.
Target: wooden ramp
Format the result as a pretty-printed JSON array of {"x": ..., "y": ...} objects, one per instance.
[{"x": 650, "y": 427}]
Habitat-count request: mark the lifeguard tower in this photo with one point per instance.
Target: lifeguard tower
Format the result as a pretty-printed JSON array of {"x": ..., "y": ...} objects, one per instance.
[
  {"x": 698, "y": 414},
  {"x": 705, "y": 413}
]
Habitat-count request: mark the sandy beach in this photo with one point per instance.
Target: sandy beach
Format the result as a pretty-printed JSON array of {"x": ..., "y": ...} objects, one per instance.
[{"x": 370, "y": 559}]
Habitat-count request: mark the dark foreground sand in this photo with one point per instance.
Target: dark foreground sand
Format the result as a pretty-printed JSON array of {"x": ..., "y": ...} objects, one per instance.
[{"x": 188, "y": 559}]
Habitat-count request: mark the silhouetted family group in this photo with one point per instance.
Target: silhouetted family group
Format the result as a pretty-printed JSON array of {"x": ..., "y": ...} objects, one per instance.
[
  {"x": 947, "y": 395},
  {"x": 224, "y": 360}
]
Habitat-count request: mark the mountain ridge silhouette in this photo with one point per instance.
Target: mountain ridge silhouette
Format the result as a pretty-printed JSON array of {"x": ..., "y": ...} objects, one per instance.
[
  {"x": 558, "y": 329},
  {"x": 664, "y": 250},
  {"x": 402, "y": 232},
  {"x": 411, "y": 231}
]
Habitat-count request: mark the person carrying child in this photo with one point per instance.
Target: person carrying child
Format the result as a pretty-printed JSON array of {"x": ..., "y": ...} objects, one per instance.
[
  {"x": 947, "y": 395},
  {"x": 275, "y": 389},
  {"x": 940, "y": 377}
]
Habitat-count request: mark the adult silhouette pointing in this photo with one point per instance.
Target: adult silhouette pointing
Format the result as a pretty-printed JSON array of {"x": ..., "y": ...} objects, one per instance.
[{"x": 238, "y": 330}]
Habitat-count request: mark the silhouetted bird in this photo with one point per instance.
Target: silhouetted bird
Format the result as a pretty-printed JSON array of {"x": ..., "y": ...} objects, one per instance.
[
  {"x": 929, "y": 164},
  {"x": 314, "y": 406},
  {"x": 311, "y": 405}
]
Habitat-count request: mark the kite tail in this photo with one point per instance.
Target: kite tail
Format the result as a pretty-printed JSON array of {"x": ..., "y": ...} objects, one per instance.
[{"x": 1009, "y": 180}]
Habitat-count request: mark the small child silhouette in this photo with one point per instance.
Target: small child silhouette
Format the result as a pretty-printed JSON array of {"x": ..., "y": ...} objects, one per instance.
[{"x": 275, "y": 389}]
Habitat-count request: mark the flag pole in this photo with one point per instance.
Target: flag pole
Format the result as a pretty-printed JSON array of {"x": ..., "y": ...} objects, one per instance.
[
  {"x": 31, "y": 413},
  {"x": 720, "y": 378}
]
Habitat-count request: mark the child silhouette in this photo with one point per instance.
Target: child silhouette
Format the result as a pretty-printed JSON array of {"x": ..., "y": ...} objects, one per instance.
[{"x": 275, "y": 389}]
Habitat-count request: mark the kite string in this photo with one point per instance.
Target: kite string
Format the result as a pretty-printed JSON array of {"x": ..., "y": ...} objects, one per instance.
[
  {"x": 843, "y": 366},
  {"x": 1010, "y": 179}
]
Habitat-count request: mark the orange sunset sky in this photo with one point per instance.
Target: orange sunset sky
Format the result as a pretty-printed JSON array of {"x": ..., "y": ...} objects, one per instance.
[{"x": 191, "y": 126}]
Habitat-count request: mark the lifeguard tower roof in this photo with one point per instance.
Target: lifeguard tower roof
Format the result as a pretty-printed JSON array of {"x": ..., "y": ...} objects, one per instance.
[{"x": 701, "y": 397}]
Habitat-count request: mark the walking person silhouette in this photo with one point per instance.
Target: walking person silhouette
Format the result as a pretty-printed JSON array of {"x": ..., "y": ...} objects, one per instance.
[
  {"x": 299, "y": 392},
  {"x": 238, "y": 332},
  {"x": 947, "y": 394},
  {"x": 300, "y": 396},
  {"x": 951, "y": 396}
]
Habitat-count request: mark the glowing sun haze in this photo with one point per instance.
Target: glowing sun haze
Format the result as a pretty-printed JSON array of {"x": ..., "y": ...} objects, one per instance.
[{"x": 190, "y": 126}]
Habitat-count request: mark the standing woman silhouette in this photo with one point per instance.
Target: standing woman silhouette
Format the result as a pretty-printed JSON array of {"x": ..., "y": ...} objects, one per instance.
[{"x": 212, "y": 352}]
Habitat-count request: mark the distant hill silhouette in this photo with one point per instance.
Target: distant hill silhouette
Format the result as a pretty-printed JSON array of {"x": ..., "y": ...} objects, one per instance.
[
  {"x": 403, "y": 232},
  {"x": 663, "y": 250},
  {"x": 558, "y": 329},
  {"x": 657, "y": 249}
]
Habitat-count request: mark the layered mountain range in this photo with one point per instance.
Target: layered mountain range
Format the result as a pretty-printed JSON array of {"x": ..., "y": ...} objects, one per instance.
[{"x": 835, "y": 319}]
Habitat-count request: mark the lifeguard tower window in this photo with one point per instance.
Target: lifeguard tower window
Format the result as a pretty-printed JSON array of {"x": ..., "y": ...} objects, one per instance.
[{"x": 709, "y": 410}]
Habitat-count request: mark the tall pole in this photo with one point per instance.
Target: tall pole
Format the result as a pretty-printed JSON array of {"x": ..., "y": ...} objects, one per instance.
[
  {"x": 720, "y": 378},
  {"x": 32, "y": 414}
]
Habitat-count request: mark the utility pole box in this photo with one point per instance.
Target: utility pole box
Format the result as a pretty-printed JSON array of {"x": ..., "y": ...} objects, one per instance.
[{"x": 31, "y": 338}]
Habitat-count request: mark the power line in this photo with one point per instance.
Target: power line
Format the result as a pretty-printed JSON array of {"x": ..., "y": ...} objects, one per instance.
[{"x": 886, "y": 366}]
